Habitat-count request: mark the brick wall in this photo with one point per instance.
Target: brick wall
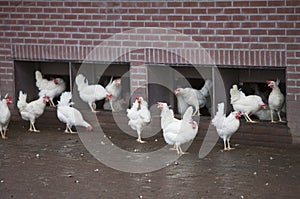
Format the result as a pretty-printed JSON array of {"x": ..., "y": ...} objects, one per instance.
[{"x": 244, "y": 33}]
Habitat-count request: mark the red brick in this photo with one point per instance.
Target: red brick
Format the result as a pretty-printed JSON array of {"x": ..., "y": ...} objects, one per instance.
[
  {"x": 151, "y": 24},
  {"x": 166, "y": 11},
  {"x": 249, "y": 25},
  {"x": 174, "y": 4},
  {"x": 293, "y": 3},
  {"x": 224, "y": 32},
  {"x": 135, "y": 11},
  {"x": 71, "y": 42},
  {"x": 232, "y": 11},
  {"x": 84, "y": 4},
  {"x": 206, "y": 18},
  {"x": 151, "y": 11},
  {"x": 258, "y": 3},
  {"x": 240, "y": 32},
  {"x": 292, "y": 32},
  {"x": 64, "y": 23},
  {"x": 267, "y": 10},
  {"x": 199, "y": 25},
  {"x": 84, "y": 17},
  {"x": 241, "y": 3},
  {"x": 276, "y": 3},
  {"x": 148, "y": 4},
  {"x": 206, "y": 32},
  {"x": 128, "y": 17},
  {"x": 231, "y": 25},
  {"x": 215, "y": 25},
  {"x": 159, "y": 18},
  {"x": 276, "y": 32},
  {"x": 258, "y": 18},
  {"x": 293, "y": 47},
  {"x": 183, "y": 11},
  {"x": 70, "y": 16},
  {"x": 56, "y": 4},
  {"x": 4, "y": 3},
  {"x": 276, "y": 17},
  {"x": 190, "y": 18},
  {"x": 208, "y": 4},
  {"x": 267, "y": 39},
  {"x": 285, "y": 10},
  {"x": 167, "y": 24},
  {"x": 293, "y": 76},
  {"x": 22, "y": 9},
  {"x": 198, "y": 11},
  {"x": 49, "y": 10},
  {"x": 249, "y": 10},
  {"x": 226, "y": 17},
  {"x": 267, "y": 25},
  {"x": 293, "y": 61},
  {"x": 285, "y": 25}
]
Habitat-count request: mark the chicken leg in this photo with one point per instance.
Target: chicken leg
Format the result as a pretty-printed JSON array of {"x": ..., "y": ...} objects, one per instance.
[
  {"x": 280, "y": 120},
  {"x": 228, "y": 145},
  {"x": 69, "y": 130},
  {"x": 248, "y": 119},
  {"x": 272, "y": 117},
  {"x": 52, "y": 103},
  {"x": 3, "y": 134},
  {"x": 180, "y": 152},
  {"x": 93, "y": 107},
  {"x": 139, "y": 137},
  {"x": 111, "y": 106},
  {"x": 32, "y": 128}
]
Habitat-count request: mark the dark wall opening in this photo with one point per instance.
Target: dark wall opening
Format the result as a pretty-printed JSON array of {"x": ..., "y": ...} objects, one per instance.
[{"x": 25, "y": 76}]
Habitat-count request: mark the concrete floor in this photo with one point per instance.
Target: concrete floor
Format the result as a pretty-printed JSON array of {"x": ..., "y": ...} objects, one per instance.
[{"x": 51, "y": 164}]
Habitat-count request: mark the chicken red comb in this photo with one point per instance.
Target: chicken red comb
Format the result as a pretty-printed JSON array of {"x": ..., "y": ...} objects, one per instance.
[
  {"x": 269, "y": 82},
  {"x": 8, "y": 99},
  {"x": 55, "y": 81}
]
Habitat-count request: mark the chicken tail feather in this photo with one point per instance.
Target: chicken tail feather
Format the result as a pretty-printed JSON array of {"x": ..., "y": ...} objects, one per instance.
[
  {"x": 65, "y": 99},
  {"x": 81, "y": 81},
  {"x": 22, "y": 100}
]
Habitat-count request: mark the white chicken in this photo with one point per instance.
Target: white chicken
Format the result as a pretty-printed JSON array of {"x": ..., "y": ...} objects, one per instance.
[
  {"x": 177, "y": 132},
  {"x": 31, "y": 111},
  {"x": 5, "y": 115},
  {"x": 139, "y": 116},
  {"x": 51, "y": 88},
  {"x": 275, "y": 100},
  {"x": 226, "y": 126},
  {"x": 116, "y": 102},
  {"x": 247, "y": 105},
  {"x": 192, "y": 97},
  {"x": 91, "y": 93},
  {"x": 70, "y": 115}
]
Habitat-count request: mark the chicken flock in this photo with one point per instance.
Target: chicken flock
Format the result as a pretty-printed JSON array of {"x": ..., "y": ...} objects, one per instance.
[{"x": 175, "y": 131}]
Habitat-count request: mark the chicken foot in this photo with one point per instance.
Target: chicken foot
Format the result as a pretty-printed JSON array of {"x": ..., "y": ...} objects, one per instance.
[
  {"x": 93, "y": 107},
  {"x": 248, "y": 119},
  {"x": 32, "y": 128},
  {"x": 180, "y": 152},
  {"x": 69, "y": 130},
  {"x": 52, "y": 103},
  {"x": 140, "y": 139},
  {"x": 173, "y": 148},
  {"x": 3, "y": 133}
]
